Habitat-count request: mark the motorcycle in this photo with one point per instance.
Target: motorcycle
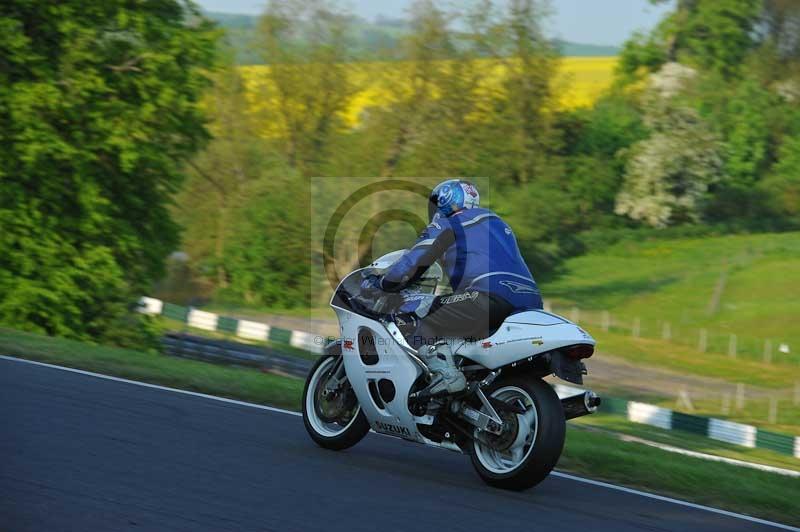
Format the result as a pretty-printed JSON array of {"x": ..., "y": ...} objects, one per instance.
[{"x": 508, "y": 420}]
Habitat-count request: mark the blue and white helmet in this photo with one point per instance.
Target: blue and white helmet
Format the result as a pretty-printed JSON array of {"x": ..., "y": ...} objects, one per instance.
[{"x": 451, "y": 196}]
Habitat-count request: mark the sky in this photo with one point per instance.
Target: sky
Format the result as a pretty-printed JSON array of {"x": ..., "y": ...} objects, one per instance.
[{"x": 608, "y": 22}]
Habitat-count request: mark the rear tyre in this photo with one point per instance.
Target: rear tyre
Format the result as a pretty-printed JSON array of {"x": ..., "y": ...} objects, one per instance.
[
  {"x": 334, "y": 422},
  {"x": 531, "y": 444}
]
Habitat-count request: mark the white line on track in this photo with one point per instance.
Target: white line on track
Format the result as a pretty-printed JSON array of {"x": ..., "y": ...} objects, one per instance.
[
  {"x": 674, "y": 501},
  {"x": 298, "y": 414}
]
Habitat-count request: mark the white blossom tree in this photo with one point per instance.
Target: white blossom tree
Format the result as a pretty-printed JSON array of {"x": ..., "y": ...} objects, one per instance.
[{"x": 669, "y": 173}]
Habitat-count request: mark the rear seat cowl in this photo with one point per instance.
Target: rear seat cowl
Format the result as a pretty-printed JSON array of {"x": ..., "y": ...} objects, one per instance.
[{"x": 535, "y": 317}]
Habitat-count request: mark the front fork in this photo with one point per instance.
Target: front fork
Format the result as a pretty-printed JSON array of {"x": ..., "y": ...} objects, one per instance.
[{"x": 336, "y": 377}]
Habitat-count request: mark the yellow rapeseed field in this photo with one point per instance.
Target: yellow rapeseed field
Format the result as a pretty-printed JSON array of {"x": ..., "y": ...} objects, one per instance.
[
  {"x": 583, "y": 79},
  {"x": 579, "y": 82}
]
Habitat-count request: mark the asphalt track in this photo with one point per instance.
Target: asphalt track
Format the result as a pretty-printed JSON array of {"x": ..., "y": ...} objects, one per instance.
[{"x": 88, "y": 454}]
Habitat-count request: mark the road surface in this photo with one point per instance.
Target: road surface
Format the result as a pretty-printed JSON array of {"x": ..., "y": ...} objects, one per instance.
[{"x": 83, "y": 453}]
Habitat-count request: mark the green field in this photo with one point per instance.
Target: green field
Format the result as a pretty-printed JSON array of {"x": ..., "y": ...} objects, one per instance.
[
  {"x": 595, "y": 454},
  {"x": 743, "y": 285}
]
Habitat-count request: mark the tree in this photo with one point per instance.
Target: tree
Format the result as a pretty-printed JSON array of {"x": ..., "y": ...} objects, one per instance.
[
  {"x": 780, "y": 27},
  {"x": 218, "y": 176},
  {"x": 712, "y": 35},
  {"x": 521, "y": 110},
  {"x": 748, "y": 118},
  {"x": 306, "y": 84},
  {"x": 718, "y": 34},
  {"x": 595, "y": 154},
  {"x": 98, "y": 112},
  {"x": 243, "y": 208},
  {"x": 432, "y": 90},
  {"x": 669, "y": 173},
  {"x": 783, "y": 185},
  {"x": 268, "y": 258},
  {"x": 475, "y": 97}
]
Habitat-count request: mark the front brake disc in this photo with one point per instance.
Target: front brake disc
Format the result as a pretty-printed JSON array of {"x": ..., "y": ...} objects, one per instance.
[{"x": 327, "y": 408}]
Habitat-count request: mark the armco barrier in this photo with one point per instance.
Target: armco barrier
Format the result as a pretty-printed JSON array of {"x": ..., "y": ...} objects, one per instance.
[
  {"x": 202, "y": 320},
  {"x": 223, "y": 351},
  {"x": 252, "y": 330},
  {"x": 649, "y": 415},
  {"x": 717, "y": 429}
]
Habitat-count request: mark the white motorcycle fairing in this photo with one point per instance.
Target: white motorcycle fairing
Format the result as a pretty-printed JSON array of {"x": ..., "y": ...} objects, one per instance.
[
  {"x": 523, "y": 336},
  {"x": 381, "y": 374}
]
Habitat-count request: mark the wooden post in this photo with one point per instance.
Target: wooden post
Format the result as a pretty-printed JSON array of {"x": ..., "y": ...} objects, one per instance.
[
  {"x": 773, "y": 410},
  {"x": 739, "y": 396},
  {"x": 703, "y": 344},
  {"x": 767, "y": 351},
  {"x": 606, "y": 320},
  {"x": 547, "y": 306},
  {"x": 666, "y": 332},
  {"x": 685, "y": 400},
  {"x": 797, "y": 393},
  {"x": 575, "y": 315},
  {"x": 726, "y": 403},
  {"x": 732, "y": 346},
  {"x": 637, "y": 327}
]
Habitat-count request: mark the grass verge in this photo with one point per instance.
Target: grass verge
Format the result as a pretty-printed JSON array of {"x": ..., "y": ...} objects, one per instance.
[
  {"x": 687, "y": 440},
  {"x": 593, "y": 454},
  {"x": 236, "y": 383},
  {"x": 756, "y": 493}
]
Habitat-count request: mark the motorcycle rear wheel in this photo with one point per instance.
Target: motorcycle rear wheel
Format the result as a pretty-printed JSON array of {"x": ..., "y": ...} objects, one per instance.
[
  {"x": 532, "y": 443},
  {"x": 331, "y": 434}
]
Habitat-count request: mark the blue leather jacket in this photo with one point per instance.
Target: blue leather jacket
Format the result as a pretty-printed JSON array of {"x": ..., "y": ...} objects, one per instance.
[{"x": 480, "y": 253}]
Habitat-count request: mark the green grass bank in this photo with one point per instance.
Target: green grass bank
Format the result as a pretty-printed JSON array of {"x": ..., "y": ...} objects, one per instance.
[{"x": 678, "y": 302}]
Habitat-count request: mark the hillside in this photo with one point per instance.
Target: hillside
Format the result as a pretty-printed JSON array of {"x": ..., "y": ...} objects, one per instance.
[
  {"x": 747, "y": 285},
  {"x": 370, "y": 40}
]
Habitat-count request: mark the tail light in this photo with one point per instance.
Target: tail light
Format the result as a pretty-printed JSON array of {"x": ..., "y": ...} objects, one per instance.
[{"x": 579, "y": 351}]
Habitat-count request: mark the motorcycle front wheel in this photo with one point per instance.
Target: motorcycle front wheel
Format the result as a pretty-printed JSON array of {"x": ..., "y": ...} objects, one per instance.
[
  {"x": 333, "y": 420},
  {"x": 531, "y": 443}
]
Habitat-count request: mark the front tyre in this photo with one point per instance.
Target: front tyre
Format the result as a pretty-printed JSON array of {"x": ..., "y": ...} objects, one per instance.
[
  {"x": 531, "y": 443},
  {"x": 333, "y": 419}
]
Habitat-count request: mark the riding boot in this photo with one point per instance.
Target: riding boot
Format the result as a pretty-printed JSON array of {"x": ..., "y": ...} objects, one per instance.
[{"x": 447, "y": 378}]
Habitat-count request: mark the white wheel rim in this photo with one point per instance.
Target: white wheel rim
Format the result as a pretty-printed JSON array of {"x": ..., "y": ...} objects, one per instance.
[
  {"x": 323, "y": 428},
  {"x": 501, "y": 463}
]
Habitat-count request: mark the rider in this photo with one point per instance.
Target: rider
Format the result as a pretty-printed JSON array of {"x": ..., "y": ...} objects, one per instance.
[{"x": 489, "y": 278}]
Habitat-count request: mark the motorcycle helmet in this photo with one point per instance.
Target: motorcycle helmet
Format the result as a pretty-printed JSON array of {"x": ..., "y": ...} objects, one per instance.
[{"x": 451, "y": 196}]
